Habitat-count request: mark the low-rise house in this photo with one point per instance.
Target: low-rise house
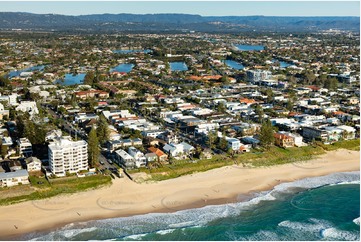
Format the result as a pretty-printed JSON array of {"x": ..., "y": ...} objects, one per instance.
[
  {"x": 176, "y": 150},
  {"x": 33, "y": 164},
  {"x": 348, "y": 132},
  {"x": 116, "y": 144},
  {"x": 7, "y": 141},
  {"x": 312, "y": 133},
  {"x": 151, "y": 157},
  {"x": 25, "y": 147},
  {"x": 140, "y": 160},
  {"x": 283, "y": 140},
  {"x": 8, "y": 179},
  {"x": 91, "y": 94},
  {"x": 160, "y": 154},
  {"x": 233, "y": 143},
  {"x": 28, "y": 107},
  {"x": 123, "y": 159},
  {"x": 3, "y": 112}
]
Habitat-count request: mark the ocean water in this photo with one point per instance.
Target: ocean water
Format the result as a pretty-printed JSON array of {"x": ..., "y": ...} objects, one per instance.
[{"x": 319, "y": 208}]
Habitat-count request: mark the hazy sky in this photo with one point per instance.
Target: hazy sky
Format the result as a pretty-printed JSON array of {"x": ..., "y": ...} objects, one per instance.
[{"x": 205, "y": 8}]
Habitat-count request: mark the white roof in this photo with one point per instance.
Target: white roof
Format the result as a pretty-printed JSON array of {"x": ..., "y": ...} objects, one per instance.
[{"x": 17, "y": 173}]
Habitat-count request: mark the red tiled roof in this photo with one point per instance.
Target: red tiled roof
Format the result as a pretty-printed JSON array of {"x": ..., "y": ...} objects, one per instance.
[{"x": 157, "y": 151}]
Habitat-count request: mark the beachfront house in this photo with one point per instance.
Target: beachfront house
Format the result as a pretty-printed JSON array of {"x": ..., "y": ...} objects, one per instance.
[
  {"x": 33, "y": 164},
  {"x": 282, "y": 139},
  {"x": 233, "y": 143},
  {"x": 140, "y": 160},
  {"x": 8, "y": 179},
  {"x": 161, "y": 156},
  {"x": 178, "y": 150},
  {"x": 123, "y": 159},
  {"x": 151, "y": 157}
]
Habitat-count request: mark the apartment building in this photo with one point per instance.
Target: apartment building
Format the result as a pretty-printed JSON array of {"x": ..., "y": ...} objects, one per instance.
[{"x": 66, "y": 155}]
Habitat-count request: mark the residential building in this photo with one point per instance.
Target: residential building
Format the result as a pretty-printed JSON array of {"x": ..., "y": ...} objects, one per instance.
[
  {"x": 66, "y": 155},
  {"x": 25, "y": 147},
  {"x": 151, "y": 157},
  {"x": 176, "y": 150},
  {"x": 312, "y": 133},
  {"x": 348, "y": 132},
  {"x": 28, "y": 107},
  {"x": 116, "y": 144},
  {"x": 160, "y": 154},
  {"x": 123, "y": 159},
  {"x": 3, "y": 112},
  {"x": 233, "y": 143},
  {"x": 283, "y": 140},
  {"x": 9, "y": 179},
  {"x": 92, "y": 94},
  {"x": 33, "y": 164},
  {"x": 140, "y": 160},
  {"x": 254, "y": 76}
]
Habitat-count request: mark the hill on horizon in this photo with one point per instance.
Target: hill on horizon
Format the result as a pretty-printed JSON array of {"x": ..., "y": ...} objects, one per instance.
[{"x": 173, "y": 22}]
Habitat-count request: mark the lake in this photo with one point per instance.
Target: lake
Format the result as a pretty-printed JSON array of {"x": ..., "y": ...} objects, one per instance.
[
  {"x": 178, "y": 66},
  {"x": 123, "y": 68},
  {"x": 70, "y": 79},
  {"x": 29, "y": 69},
  {"x": 234, "y": 64},
  {"x": 131, "y": 51},
  {"x": 249, "y": 47}
]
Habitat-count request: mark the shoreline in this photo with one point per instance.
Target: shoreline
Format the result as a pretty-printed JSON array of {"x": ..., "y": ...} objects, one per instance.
[{"x": 125, "y": 198}]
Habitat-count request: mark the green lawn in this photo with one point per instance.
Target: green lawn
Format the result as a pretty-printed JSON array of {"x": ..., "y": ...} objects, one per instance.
[{"x": 57, "y": 186}]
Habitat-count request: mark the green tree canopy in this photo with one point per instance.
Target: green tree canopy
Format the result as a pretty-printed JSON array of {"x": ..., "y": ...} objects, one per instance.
[
  {"x": 103, "y": 130},
  {"x": 93, "y": 147},
  {"x": 266, "y": 134}
]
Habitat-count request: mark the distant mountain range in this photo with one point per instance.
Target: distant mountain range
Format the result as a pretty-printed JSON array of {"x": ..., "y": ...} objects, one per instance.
[{"x": 172, "y": 23}]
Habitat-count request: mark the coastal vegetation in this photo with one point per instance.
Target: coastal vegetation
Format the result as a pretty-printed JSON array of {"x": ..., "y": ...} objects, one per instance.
[
  {"x": 257, "y": 158},
  {"x": 41, "y": 189}
]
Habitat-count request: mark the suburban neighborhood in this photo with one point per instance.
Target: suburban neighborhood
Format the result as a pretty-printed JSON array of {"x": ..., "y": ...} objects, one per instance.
[{"x": 73, "y": 105}]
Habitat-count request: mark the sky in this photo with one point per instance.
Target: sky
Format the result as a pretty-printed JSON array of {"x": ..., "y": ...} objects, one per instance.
[{"x": 204, "y": 8}]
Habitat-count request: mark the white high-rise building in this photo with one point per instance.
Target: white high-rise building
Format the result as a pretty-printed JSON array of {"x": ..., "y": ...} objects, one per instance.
[{"x": 66, "y": 155}]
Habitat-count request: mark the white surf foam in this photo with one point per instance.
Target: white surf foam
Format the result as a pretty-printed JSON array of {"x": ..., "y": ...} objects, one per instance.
[
  {"x": 333, "y": 233},
  {"x": 315, "y": 226},
  {"x": 357, "y": 221},
  {"x": 166, "y": 231},
  {"x": 150, "y": 223},
  {"x": 135, "y": 236}
]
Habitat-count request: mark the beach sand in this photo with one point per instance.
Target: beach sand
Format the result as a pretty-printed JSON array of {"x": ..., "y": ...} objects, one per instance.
[{"x": 125, "y": 197}]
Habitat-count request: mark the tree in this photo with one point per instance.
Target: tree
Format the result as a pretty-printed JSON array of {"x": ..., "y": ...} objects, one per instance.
[
  {"x": 93, "y": 147},
  {"x": 211, "y": 139},
  {"x": 221, "y": 107},
  {"x": 4, "y": 150},
  {"x": 223, "y": 144},
  {"x": 259, "y": 112},
  {"x": 225, "y": 79},
  {"x": 89, "y": 78},
  {"x": 331, "y": 83},
  {"x": 266, "y": 134},
  {"x": 103, "y": 130}
]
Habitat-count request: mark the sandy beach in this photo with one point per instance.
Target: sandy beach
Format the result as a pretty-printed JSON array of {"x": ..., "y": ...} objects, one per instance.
[{"x": 125, "y": 197}]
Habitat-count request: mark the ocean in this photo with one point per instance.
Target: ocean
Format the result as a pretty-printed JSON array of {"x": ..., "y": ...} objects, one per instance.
[{"x": 318, "y": 208}]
